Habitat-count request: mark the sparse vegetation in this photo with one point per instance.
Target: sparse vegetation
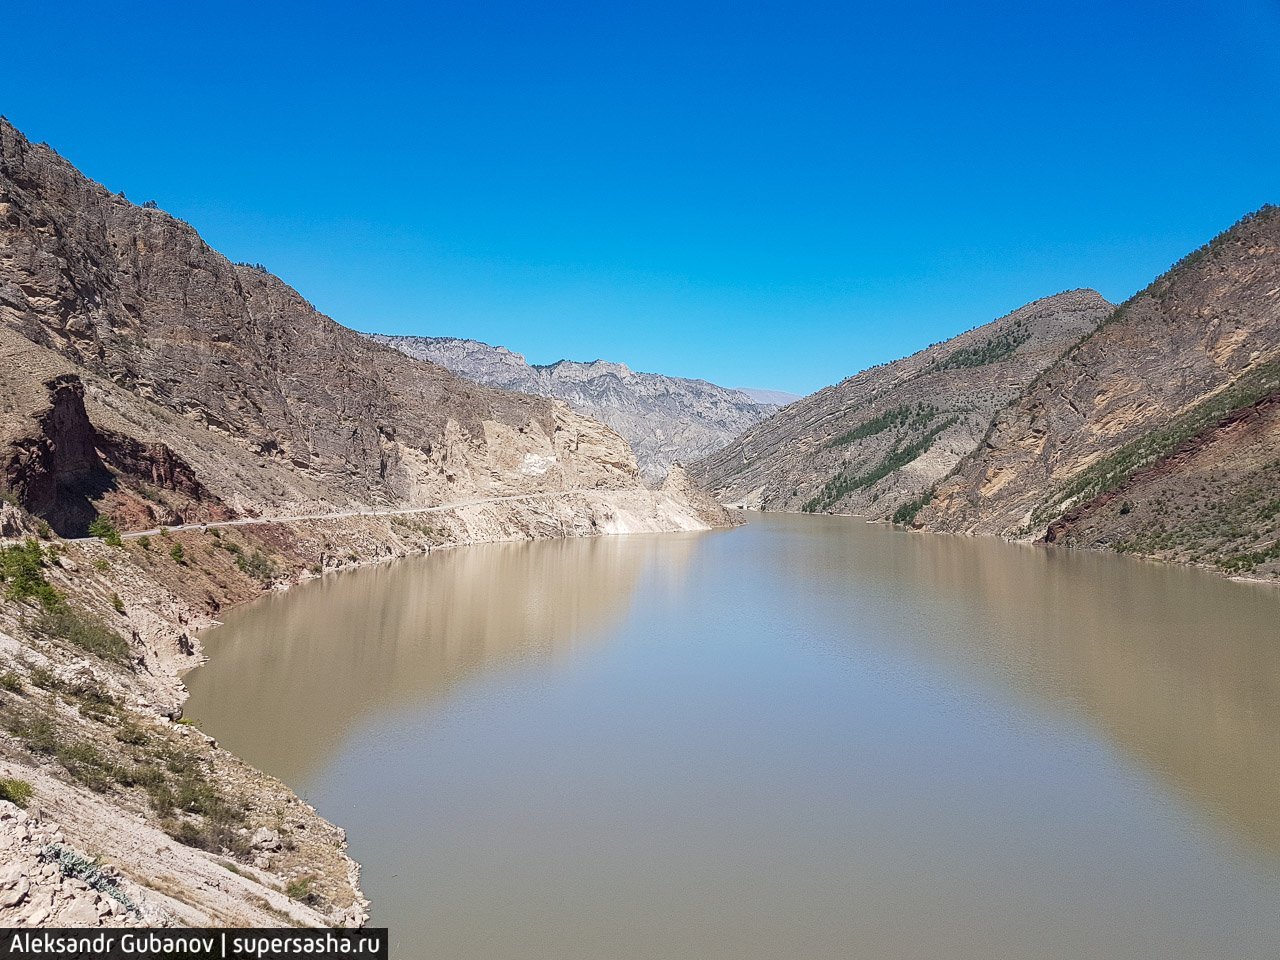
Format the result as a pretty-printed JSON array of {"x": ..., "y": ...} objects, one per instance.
[
  {"x": 22, "y": 572},
  {"x": 1109, "y": 473},
  {"x": 844, "y": 483},
  {"x": 301, "y": 889},
  {"x": 903, "y": 417},
  {"x": 16, "y": 791},
  {"x": 177, "y": 554},
  {"x": 106, "y": 531},
  {"x": 45, "y": 679},
  {"x": 83, "y": 630},
  {"x": 992, "y": 350}
]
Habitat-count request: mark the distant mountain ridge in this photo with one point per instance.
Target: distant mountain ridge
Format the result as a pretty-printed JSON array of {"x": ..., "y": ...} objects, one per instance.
[
  {"x": 666, "y": 419},
  {"x": 778, "y": 398},
  {"x": 181, "y": 385},
  {"x": 1152, "y": 428},
  {"x": 880, "y": 439},
  {"x": 1159, "y": 433}
]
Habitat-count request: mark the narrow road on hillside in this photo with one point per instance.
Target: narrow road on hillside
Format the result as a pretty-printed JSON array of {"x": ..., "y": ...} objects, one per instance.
[{"x": 388, "y": 512}]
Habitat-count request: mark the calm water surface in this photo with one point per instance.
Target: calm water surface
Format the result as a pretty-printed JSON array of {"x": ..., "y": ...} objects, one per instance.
[{"x": 806, "y": 738}]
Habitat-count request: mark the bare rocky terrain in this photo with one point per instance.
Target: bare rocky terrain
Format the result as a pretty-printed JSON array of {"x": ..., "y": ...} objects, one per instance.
[
  {"x": 1155, "y": 435},
  {"x": 666, "y": 420},
  {"x": 1150, "y": 428},
  {"x": 881, "y": 439},
  {"x": 148, "y": 383}
]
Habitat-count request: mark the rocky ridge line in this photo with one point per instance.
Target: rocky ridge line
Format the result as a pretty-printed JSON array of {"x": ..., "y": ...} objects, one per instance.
[{"x": 666, "y": 420}]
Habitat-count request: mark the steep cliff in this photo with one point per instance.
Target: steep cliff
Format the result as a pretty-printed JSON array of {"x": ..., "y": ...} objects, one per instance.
[
  {"x": 665, "y": 419},
  {"x": 876, "y": 442},
  {"x": 1156, "y": 433},
  {"x": 147, "y": 382},
  {"x": 271, "y": 407}
]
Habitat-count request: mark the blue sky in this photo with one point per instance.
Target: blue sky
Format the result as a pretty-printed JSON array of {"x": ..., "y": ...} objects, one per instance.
[{"x": 771, "y": 195}]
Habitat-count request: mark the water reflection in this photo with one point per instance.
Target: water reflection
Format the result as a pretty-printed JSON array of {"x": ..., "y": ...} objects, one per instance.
[
  {"x": 810, "y": 737},
  {"x": 308, "y": 664},
  {"x": 1179, "y": 668}
]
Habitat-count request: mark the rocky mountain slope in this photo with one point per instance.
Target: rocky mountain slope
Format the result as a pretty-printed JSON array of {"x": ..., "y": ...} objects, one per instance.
[
  {"x": 147, "y": 382},
  {"x": 219, "y": 385},
  {"x": 1159, "y": 433},
  {"x": 879, "y": 440},
  {"x": 665, "y": 419},
  {"x": 1152, "y": 428}
]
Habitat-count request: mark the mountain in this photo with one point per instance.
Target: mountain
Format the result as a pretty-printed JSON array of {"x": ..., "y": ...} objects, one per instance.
[
  {"x": 219, "y": 438},
  {"x": 665, "y": 419},
  {"x": 1159, "y": 433},
  {"x": 1152, "y": 428},
  {"x": 879, "y": 440},
  {"x": 212, "y": 387},
  {"x": 776, "y": 398}
]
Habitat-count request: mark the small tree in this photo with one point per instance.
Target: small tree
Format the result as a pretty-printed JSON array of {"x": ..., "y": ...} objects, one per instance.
[
  {"x": 106, "y": 531},
  {"x": 179, "y": 555}
]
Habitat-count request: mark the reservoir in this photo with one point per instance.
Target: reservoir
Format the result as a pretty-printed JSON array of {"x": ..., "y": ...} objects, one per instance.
[{"x": 808, "y": 737}]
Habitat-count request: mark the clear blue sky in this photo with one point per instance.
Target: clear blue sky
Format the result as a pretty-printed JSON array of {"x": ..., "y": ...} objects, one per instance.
[{"x": 771, "y": 195}]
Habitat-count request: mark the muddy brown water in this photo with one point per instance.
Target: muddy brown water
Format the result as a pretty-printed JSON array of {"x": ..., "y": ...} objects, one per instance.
[{"x": 809, "y": 737}]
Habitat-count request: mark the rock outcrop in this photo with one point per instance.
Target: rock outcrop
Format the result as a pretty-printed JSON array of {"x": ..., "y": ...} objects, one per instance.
[
  {"x": 1152, "y": 428},
  {"x": 272, "y": 406},
  {"x": 146, "y": 380},
  {"x": 666, "y": 420},
  {"x": 877, "y": 442},
  {"x": 1156, "y": 434}
]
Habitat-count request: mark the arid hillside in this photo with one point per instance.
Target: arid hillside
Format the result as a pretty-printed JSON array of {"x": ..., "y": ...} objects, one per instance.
[
  {"x": 1150, "y": 428},
  {"x": 879, "y": 440},
  {"x": 218, "y": 438},
  {"x": 1155, "y": 435},
  {"x": 219, "y": 388},
  {"x": 666, "y": 420}
]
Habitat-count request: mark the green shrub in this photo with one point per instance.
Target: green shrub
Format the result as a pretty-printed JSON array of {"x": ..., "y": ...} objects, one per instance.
[
  {"x": 178, "y": 554},
  {"x": 11, "y": 681},
  {"x": 844, "y": 483},
  {"x": 65, "y": 623},
  {"x": 144, "y": 542},
  {"x": 117, "y": 603},
  {"x": 106, "y": 531},
  {"x": 132, "y": 734},
  {"x": 15, "y": 791},
  {"x": 22, "y": 572},
  {"x": 907, "y": 512},
  {"x": 257, "y": 565},
  {"x": 300, "y": 889},
  {"x": 38, "y": 732}
]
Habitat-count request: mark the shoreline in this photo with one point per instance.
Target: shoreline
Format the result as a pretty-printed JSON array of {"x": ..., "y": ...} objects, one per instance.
[
  {"x": 288, "y": 863},
  {"x": 1204, "y": 567}
]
